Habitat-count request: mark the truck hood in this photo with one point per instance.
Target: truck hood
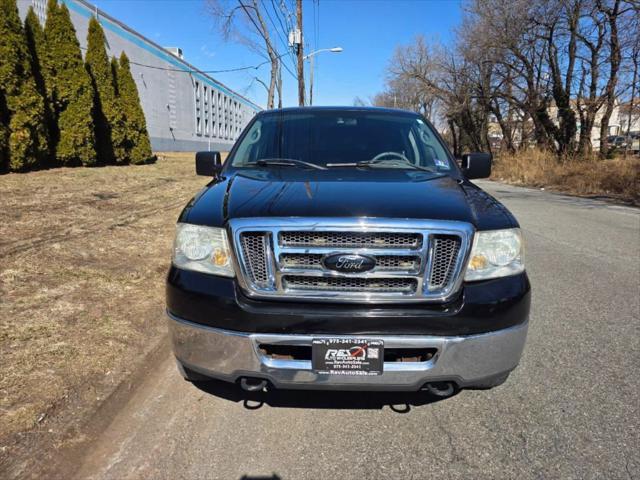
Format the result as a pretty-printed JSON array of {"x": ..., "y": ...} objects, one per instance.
[{"x": 382, "y": 193}]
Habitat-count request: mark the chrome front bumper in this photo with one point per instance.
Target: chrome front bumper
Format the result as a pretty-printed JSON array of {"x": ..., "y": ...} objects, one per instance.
[{"x": 468, "y": 361}]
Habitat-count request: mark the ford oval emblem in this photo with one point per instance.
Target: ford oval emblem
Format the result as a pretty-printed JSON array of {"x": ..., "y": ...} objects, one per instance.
[{"x": 345, "y": 263}]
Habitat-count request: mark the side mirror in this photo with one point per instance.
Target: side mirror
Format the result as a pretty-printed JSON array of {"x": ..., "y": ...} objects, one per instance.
[
  {"x": 208, "y": 164},
  {"x": 476, "y": 165}
]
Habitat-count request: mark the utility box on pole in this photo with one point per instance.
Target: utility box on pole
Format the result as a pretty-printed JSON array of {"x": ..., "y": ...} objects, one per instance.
[{"x": 295, "y": 38}]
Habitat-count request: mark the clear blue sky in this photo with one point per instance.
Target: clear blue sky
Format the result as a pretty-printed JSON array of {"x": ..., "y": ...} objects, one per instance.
[{"x": 368, "y": 30}]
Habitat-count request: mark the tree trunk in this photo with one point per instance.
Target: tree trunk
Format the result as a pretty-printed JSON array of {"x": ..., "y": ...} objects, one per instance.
[
  {"x": 279, "y": 84},
  {"x": 505, "y": 127},
  {"x": 614, "y": 66},
  {"x": 454, "y": 138},
  {"x": 634, "y": 84},
  {"x": 273, "y": 56}
]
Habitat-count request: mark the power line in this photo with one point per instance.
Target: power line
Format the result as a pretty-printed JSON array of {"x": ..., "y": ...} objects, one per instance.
[
  {"x": 279, "y": 34},
  {"x": 244, "y": 8},
  {"x": 316, "y": 26},
  {"x": 183, "y": 70},
  {"x": 227, "y": 70},
  {"x": 287, "y": 14},
  {"x": 285, "y": 30}
]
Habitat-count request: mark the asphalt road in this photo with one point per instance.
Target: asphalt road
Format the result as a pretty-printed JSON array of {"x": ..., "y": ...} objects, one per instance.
[{"x": 571, "y": 409}]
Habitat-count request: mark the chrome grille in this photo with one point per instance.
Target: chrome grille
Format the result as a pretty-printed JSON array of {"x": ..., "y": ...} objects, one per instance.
[
  {"x": 383, "y": 262},
  {"x": 444, "y": 256},
  {"x": 352, "y": 284},
  {"x": 415, "y": 260},
  {"x": 351, "y": 239}
]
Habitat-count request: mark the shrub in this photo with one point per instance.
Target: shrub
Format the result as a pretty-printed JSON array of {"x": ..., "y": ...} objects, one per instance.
[
  {"x": 108, "y": 116},
  {"x": 26, "y": 142},
  {"x": 4, "y": 134},
  {"x": 35, "y": 42},
  {"x": 69, "y": 90},
  {"x": 138, "y": 143}
]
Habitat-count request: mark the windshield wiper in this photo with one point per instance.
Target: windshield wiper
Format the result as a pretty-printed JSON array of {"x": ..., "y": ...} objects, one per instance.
[
  {"x": 285, "y": 162},
  {"x": 373, "y": 163}
]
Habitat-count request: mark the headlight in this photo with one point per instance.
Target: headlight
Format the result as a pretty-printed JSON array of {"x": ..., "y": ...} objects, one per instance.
[
  {"x": 496, "y": 253},
  {"x": 203, "y": 249}
]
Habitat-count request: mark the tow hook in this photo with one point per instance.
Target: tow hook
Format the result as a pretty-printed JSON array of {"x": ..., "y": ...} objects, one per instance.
[
  {"x": 440, "y": 389},
  {"x": 250, "y": 384}
]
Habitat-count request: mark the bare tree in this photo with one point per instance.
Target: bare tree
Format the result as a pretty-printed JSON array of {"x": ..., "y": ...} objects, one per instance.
[
  {"x": 633, "y": 112},
  {"x": 612, "y": 13},
  {"x": 524, "y": 72},
  {"x": 630, "y": 67},
  {"x": 590, "y": 99},
  {"x": 244, "y": 22}
]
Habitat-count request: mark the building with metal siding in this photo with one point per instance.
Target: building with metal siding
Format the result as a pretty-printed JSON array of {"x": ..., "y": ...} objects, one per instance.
[{"x": 185, "y": 109}]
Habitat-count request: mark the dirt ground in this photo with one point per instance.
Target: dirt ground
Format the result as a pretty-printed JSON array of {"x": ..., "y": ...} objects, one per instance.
[{"x": 83, "y": 254}]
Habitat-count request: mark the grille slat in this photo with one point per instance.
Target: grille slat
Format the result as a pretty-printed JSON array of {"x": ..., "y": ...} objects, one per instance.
[
  {"x": 383, "y": 262},
  {"x": 351, "y": 239},
  {"x": 351, "y": 284}
]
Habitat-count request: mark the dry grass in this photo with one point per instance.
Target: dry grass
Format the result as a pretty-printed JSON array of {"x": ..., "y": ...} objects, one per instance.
[
  {"x": 617, "y": 178},
  {"x": 83, "y": 254}
]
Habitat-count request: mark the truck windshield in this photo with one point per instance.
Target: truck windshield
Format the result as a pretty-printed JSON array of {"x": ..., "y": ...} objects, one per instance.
[{"x": 349, "y": 139}]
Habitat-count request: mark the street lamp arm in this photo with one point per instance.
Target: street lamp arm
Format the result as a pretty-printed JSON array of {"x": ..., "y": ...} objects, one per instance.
[
  {"x": 309, "y": 57},
  {"x": 334, "y": 50}
]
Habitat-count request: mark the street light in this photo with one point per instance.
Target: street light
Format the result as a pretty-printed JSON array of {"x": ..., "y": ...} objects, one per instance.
[{"x": 309, "y": 57}]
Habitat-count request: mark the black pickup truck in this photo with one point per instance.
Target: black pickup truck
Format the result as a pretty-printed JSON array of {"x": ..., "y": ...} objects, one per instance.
[{"x": 344, "y": 248}]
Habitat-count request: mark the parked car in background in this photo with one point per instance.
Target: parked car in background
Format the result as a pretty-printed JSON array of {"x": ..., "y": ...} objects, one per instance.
[{"x": 617, "y": 141}]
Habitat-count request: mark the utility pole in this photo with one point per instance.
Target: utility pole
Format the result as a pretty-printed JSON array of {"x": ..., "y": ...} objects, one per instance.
[
  {"x": 311, "y": 79},
  {"x": 300, "y": 54}
]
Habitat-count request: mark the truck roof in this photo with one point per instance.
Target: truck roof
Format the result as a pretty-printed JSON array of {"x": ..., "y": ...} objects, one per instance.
[{"x": 338, "y": 109}]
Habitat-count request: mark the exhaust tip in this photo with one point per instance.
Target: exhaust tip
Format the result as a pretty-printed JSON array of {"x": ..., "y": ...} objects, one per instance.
[
  {"x": 440, "y": 389},
  {"x": 252, "y": 384}
]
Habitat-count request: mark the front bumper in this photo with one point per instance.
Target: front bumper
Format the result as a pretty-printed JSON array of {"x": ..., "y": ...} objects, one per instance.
[
  {"x": 467, "y": 360},
  {"x": 480, "y": 307}
]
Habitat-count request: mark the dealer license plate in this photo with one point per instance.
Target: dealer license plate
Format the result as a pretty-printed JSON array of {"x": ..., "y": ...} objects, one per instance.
[{"x": 347, "y": 356}]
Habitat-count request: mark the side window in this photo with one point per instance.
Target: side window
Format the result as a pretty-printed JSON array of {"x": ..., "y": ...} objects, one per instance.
[
  {"x": 226, "y": 117},
  {"x": 219, "y": 109},
  {"x": 213, "y": 112},
  {"x": 205, "y": 96},
  {"x": 198, "y": 111}
]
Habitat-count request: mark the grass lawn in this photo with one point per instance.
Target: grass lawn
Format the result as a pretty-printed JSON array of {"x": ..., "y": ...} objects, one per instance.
[
  {"x": 83, "y": 255},
  {"x": 617, "y": 178}
]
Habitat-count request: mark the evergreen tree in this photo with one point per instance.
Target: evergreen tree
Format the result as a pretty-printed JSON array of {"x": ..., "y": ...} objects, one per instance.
[
  {"x": 108, "y": 116},
  {"x": 4, "y": 134},
  {"x": 138, "y": 142},
  {"x": 24, "y": 106},
  {"x": 114, "y": 75},
  {"x": 69, "y": 90},
  {"x": 35, "y": 42}
]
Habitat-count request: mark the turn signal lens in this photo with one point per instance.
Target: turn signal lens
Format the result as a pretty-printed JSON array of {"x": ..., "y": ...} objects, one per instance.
[
  {"x": 478, "y": 262},
  {"x": 220, "y": 258}
]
